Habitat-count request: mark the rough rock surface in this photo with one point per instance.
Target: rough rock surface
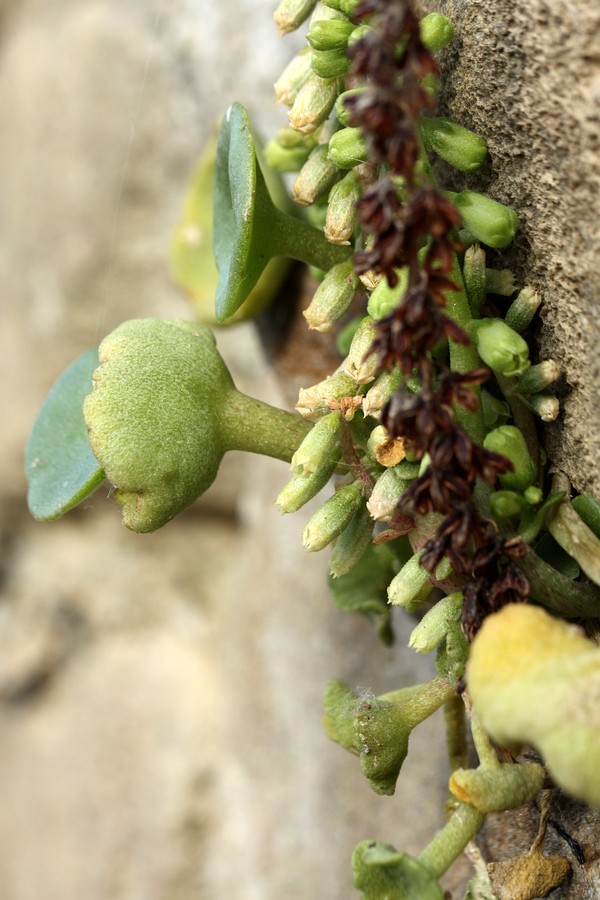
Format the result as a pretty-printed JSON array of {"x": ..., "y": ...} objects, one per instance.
[
  {"x": 160, "y": 695},
  {"x": 525, "y": 74}
]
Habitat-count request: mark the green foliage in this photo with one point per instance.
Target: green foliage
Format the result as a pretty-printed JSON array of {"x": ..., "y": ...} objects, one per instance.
[{"x": 60, "y": 466}]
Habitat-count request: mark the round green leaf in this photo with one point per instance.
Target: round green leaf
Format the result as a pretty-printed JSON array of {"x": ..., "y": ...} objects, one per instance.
[{"x": 59, "y": 464}]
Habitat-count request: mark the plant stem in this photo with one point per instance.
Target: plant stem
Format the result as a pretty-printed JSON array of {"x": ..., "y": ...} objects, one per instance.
[
  {"x": 450, "y": 842},
  {"x": 294, "y": 238},
  {"x": 487, "y": 755},
  {"x": 571, "y": 599},
  {"x": 256, "y": 427},
  {"x": 456, "y": 733},
  {"x": 522, "y": 416},
  {"x": 463, "y": 357}
]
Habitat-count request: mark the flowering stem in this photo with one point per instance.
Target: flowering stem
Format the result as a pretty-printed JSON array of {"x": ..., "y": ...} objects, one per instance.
[
  {"x": 522, "y": 416},
  {"x": 450, "y": 842},
  {"x": 463, "y": 357}
]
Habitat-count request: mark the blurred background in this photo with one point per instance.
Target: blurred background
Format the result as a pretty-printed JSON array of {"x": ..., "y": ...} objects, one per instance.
[{"x": 160, "y": 695}]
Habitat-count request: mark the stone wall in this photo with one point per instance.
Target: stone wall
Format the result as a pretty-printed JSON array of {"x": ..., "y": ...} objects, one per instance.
[{"x": 160, "y": 695}]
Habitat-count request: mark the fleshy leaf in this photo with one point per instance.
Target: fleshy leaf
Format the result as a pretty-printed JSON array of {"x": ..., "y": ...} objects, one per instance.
[{"x": 59, "y": 464}]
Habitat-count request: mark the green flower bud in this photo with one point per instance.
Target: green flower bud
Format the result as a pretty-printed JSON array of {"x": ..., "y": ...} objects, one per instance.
[
  {"x": 293, "y": 77},
  {"x": 384, "y": 499},
  {"x": 352, "y": 544},
  {"x": 302, "y": 488},
  {"x": 341, "y": 110},
  {"x": 474, "y": 276},
  {"x": 330, "y": 63},
  {"x": 412, "y": 579},
  {"x": 500, "y": 281},
  {"x": 490, "y": 222},
  {"x": 535, "y": 679},
  {"x": 360, "y": 366},
  {"x": 383, "y": 726},
  {"x": 436, "y": 31},
  {"x": 380, "y": 871},
  {"x": 319, "y": 447},
  {"x": 384, "y": 298},
  {"x": 348, "y": 7},
  {"x": 313, "y": 103},
  {"x": 508, "y": 441},
  {"x": 163, "y": 412},
  {"x": 501, "y": 348},
  {"x": 546, "y": 406},
  {"x": 539, "y": 377},
  {"x": 522, "y": 310},
  {"x": 333, "y": 297},
  {"x": 348, "y": 148},
  {"x": 462, "y": 148},
  {"x": 493, "y": 409},
  {"x": 316, "y": 177},
  {"x": 435, "y": 624},
  {"x": 329, "y": 34},
  {"x": 342, "y": 214},
  {"x": 496, "y": 788},
  {"x": 290, "y": 14},
  {"x": 332, "y": 517},
  {"x": 384, "y": 386},
  {"x": 506, "y": 504},
  {"x": 533, "y": 495},
  {"x": 358, "y": 33},
  {"x": 285, "y": 159},
  {"x": 335, "y": 392}
]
